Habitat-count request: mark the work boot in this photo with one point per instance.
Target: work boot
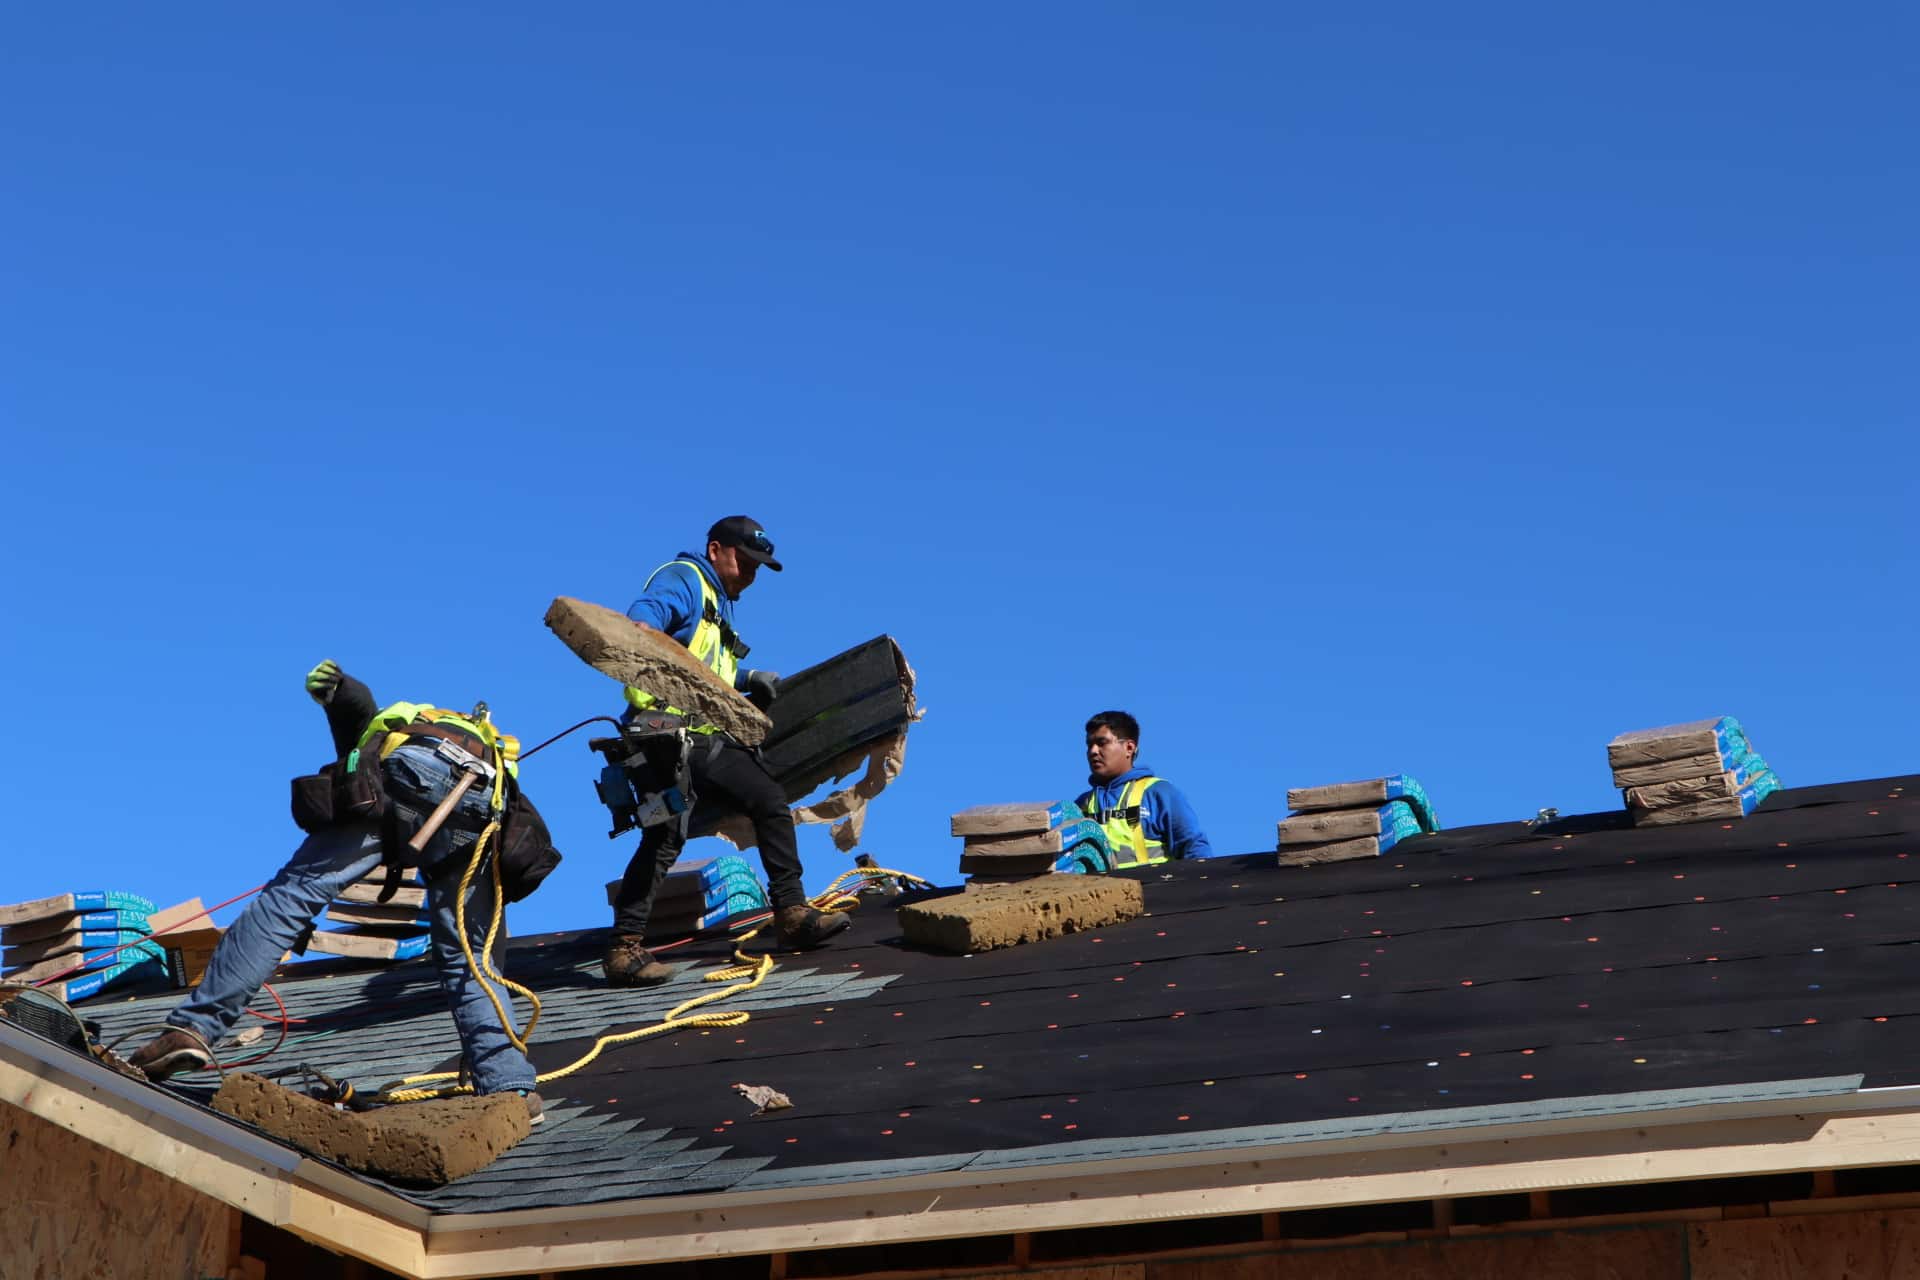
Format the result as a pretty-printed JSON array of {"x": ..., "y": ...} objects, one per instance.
[
  {"x": 803, "y": 927},
  {"x": 628, "y": 963},
  {"x": 536, "y": 1109},
  {"x": 171, "y": 1052}
]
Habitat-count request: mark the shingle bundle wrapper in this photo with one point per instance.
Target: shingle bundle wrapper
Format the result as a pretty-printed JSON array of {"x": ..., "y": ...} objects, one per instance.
[
  {"x": 79, "y": 931},
  {"x": 701, "y": 894},
  {"x": 1690, "y": 772},
  {"x": 394, "y": 930},
  {"x": 1008, "y": 842},
  {"x": 1353, "y": 819}
]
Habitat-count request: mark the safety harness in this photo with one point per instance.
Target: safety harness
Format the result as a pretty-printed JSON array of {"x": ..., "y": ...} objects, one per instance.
[{"x": 1126, "y": 834}]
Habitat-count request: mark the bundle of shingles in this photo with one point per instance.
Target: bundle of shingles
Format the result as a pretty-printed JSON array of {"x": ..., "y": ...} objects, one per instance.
[
  {"x": 1690, "y": 772},
  {"x": 1009, "y": 842},
  {"x": 86, "y": 933},
  {"x": 702, "y": 894},
  {"x": 374, "y": 930},
  {"x": 1353, "y": 820}
]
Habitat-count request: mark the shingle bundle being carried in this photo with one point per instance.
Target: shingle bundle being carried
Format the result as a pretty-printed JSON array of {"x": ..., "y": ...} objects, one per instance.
[
  {"x": 1353, "y": 819},
  {"x": 1690, "y": 772},
  {"x": 1008, "y": 842},
  {"x": 87, "y": 932},
  {"x": 396, "y": 929},
  {"x": 700, "y": 894}
]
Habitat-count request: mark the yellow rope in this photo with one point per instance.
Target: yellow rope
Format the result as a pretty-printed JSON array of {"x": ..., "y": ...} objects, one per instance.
[{"x": 746, "y": 973}]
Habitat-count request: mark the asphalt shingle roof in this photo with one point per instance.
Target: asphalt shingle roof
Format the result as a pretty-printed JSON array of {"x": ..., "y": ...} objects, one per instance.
[{"x": 1469, "y": 977}]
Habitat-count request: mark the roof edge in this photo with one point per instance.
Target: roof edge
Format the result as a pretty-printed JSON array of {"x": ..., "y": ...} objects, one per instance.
[
  {"x": 215, "y": 1157},
  {"x": 1787, "y": 1130}
]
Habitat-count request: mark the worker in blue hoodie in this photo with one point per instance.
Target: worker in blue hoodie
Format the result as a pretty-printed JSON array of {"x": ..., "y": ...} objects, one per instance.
[
  {"x": 1146, "y": 818},
  {"x": 691, "y": 599}
]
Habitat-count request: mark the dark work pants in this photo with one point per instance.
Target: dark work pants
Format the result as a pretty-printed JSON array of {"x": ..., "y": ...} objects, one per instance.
[{"x": 732, "y": 779}]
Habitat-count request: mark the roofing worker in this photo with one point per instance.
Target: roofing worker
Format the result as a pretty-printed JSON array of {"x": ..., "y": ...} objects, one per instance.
[
  {"x": 1146, "y": 818},
  {"x": 691, "y": 599},
  {"x": 396, "y": 766}
]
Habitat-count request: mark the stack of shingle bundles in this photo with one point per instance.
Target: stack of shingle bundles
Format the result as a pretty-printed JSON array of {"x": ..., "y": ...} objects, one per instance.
[
  {"x": 1690, "y": 772},
  {"x": 1008, "y": 842},
  {"x": 79, "y": 931},
  {"x": 1353, "y": 820},
  {"x": 373, "y": 930},
  {"x": 701, "y": 894}
]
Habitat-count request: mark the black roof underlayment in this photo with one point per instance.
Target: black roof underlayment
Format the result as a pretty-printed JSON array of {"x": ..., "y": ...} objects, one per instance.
[{"x": 1494, "y": 966}]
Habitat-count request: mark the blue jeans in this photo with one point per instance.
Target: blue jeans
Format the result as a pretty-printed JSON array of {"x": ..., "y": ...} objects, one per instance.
[{"x": 319, "y": 870}]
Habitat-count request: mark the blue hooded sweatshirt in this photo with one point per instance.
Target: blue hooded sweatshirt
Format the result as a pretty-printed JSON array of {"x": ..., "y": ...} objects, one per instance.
[
  {"x": 1165, "y": 814},
  {"x": 672, "y": 602}
]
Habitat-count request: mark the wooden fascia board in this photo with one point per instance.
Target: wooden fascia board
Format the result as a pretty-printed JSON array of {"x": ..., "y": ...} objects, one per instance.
[
  {"x": 278, "y": 1186},
  {"x": 220, "y": 1160},
  {"x": 1702, "y": 1142}
]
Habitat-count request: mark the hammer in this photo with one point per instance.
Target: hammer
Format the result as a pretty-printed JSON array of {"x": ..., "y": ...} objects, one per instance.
[{"x": 472, "y": 768}]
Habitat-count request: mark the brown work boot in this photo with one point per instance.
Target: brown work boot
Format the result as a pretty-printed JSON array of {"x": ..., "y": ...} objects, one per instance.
[
  {"x": 171, "y": 1052},
  {"x": 803, "y": 927},
  {"x": 628, "y": 963}
]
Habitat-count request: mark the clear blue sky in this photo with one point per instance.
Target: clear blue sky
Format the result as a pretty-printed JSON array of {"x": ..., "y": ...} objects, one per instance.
[{"x": 1439, "y": 389}]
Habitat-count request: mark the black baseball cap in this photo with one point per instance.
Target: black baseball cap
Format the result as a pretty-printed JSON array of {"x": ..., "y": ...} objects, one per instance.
[{"x": 745, "y": 533}]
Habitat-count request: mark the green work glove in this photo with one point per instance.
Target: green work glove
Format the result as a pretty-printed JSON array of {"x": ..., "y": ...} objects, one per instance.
[
  {"x": 322, "y": 681},
  {"x": 761, "y": 687}
]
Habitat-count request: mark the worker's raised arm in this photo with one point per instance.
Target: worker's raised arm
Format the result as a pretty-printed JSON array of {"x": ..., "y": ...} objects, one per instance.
[{"x": 349, "y": 704}]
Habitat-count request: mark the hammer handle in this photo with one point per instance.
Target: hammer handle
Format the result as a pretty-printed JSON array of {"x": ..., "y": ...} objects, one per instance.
[{"x": 439, "y": 815}]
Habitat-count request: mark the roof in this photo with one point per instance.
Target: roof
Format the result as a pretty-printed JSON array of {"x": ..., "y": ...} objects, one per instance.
[{"x": 1468, "y": 981}]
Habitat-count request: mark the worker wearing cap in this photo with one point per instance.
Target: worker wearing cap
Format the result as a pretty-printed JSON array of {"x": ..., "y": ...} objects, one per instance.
[
  {"x": 691, "y": 598},
  {"x": 1146, "y": 818}
]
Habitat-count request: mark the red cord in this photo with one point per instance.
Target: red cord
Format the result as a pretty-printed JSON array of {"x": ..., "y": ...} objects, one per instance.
[
  {"x": 284, "y": 1021},
  {"x": 94, "y": 959}
]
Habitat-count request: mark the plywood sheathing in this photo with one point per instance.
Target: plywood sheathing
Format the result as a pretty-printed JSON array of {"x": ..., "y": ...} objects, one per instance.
[
  {"x": 615, "y": 646},
  {"x": 422, "y": 1143},
  {"x": 1010, "y": 914},
  {"x": 78, "y": 1209}
]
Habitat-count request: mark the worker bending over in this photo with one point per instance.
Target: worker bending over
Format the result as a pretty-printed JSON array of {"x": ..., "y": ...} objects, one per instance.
[
  {"x": 395, "y": 767},
  {"x": 1146, "y": 818},
  {"x": 691, "y": 599}
]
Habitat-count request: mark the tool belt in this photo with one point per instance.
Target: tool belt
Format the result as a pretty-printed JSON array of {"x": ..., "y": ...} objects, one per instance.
[{"x": 350, "y": 789}]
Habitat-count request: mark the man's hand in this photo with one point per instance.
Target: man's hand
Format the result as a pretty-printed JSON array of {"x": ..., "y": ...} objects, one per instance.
[
  {"x": 322, "y": 681},
  {"x": 761, "y": 687}
]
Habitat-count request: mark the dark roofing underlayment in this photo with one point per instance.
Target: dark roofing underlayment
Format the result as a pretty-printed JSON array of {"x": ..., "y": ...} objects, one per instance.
[{"x": 1494, "y": 967}]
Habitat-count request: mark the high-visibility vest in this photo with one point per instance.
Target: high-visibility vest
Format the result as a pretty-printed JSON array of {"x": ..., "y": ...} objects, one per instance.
[
  {"x": 713, "y": 644},
  {"x": 1126, "y": 834},
  {"x": 393, "y": 720}
]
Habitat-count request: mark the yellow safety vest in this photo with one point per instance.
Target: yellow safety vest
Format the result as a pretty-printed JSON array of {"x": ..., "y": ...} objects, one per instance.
[
  {"x": 1126, "y": 834},
  {"x": 712, "y": 644},
  {"x": 393, "y": 721}
]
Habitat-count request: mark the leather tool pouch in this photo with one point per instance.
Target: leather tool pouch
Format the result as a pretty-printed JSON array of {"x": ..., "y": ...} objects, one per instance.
[{"x": 346, "y": 790}]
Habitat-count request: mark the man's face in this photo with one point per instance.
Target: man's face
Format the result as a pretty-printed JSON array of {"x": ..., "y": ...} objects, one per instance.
[
  {"x": 735, "y": 570},
  {"x": 1107, "y": 756}
]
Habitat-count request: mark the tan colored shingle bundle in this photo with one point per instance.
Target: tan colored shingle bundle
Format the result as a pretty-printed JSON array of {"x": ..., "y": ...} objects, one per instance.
[
  {"x": 1346, "y": 820},
  {"x": 1694, "y": 772}
]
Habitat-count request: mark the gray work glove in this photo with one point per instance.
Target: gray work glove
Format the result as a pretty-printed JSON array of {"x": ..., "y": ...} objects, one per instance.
[
  {"x": 761, "y": 688},
  {"x": 322, "y": 681}
]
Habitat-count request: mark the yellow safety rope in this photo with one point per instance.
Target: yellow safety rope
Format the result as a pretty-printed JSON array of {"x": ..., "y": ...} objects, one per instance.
[{"x": 746, "y": 973}]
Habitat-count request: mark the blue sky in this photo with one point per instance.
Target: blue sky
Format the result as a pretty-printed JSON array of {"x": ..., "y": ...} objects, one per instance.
[{"x": 1438, "y": 389}]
